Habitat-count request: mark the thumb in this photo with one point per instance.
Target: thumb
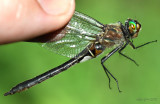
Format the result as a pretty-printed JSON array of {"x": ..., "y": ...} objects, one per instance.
[{"x": 27, "y": 19}]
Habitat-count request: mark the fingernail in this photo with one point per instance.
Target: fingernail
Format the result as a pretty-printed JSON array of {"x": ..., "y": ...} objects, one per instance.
[{"x": 55, "y": 7}]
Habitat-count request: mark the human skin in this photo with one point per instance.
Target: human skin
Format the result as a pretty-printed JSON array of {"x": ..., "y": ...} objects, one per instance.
[{"x": 23, "y": 20}]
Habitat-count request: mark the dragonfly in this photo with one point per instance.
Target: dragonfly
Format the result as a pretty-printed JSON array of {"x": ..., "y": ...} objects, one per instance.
[{"x": 85, "y": 38}]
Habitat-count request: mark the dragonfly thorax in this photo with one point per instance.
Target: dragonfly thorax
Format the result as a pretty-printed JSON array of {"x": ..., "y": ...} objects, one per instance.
[{"x": 113, "y": 35}]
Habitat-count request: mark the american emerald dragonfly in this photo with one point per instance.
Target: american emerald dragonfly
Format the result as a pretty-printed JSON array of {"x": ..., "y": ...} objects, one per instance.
[{"x": 85, "y": 38}]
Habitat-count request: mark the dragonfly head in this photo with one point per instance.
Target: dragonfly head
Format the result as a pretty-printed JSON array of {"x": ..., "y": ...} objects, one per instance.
[{"x": 133, "y": 27}]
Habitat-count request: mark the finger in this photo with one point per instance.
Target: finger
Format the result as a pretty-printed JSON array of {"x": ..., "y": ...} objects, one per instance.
[{"x": 27, "y": 19}]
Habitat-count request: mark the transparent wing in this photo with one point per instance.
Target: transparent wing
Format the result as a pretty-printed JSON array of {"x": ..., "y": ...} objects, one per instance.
[{"x": 78, "y": 34}]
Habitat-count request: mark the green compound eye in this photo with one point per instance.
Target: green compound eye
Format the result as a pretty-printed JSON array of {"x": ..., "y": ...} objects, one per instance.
[{"x": 132, "y": 25}]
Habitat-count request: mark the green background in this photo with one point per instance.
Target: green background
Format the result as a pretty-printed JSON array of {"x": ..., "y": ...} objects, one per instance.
[{"x": 86, "y": 83}]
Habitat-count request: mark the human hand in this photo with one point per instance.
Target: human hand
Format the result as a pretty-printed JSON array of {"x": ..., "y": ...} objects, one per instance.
[{"x": 27, "y": 19}]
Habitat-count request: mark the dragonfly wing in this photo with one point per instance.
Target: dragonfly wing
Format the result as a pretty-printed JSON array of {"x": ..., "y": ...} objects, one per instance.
[{"x": 78, "y": 34}]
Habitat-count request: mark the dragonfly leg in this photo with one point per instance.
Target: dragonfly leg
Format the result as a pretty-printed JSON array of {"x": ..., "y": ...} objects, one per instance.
[
  {"x": 107, "y": 76},
  {"x": 120, "y": 52},
  {"x": 106, "y": 70},
  {"x": 134, "y": 47}
]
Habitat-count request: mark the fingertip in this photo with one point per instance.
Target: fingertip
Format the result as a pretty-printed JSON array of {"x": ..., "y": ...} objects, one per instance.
[
  {"x": 56, "y": 7},
  {"x": 34, "y": 20},
  {"x": 51, "y": 20},
  {"x": 61, "y": 17}
]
